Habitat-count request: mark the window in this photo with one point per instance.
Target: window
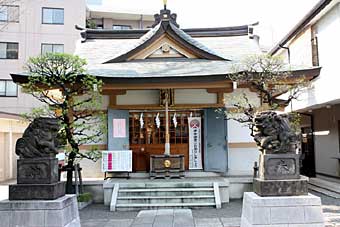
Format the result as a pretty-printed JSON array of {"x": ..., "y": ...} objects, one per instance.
[
  {"x": 9, "y": 50},
  {"x": 121, "y": 27},
  {"x": 9, "y": 13},
  {"x": 8, "y": 88},
  {"x": 52, "y": 48},
  {"x": 52, "y": 16}
]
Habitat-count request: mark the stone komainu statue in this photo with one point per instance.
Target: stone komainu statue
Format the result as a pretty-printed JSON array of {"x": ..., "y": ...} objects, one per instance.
[
  {"x": 274, "y": 134},
  {"x": 40, "y": 139}
]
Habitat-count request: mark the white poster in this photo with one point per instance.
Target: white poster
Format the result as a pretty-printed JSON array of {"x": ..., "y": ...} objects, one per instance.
[
  {"x": 119, "y": 128},
  {"x": 195, "y": 147}
]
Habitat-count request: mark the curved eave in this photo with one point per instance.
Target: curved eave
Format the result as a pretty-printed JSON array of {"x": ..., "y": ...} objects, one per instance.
[{"x": 297, "y": 75}]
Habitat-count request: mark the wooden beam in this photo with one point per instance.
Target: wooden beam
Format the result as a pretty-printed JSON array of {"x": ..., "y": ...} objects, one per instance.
[
  {"x": 113, "y": 100},
  {"x": 220, "y": 98},
  {"x": 89, "y": 147},
  {"x": 114, "y": 92},
  {"x": 243, "y": 145},
  {"x": 157, "y": 107},
  {"x": 219, "y": 90}
]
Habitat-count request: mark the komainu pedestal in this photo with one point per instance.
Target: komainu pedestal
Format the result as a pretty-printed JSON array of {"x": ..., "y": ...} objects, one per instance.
[
  {"x": 281, "y": 195},
  {"x": 37, "y": 175},
  {"x": 39, "y": 198},
  {"x": 279, "y": 169},
  {"x": 302, "y": 211}
]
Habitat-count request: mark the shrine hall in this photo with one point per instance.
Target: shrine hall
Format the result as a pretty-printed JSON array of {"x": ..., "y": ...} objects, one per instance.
[{"x": 162, "y": 88}]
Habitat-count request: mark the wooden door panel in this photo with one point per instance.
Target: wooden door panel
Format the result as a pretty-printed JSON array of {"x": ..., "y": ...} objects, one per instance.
[{"x": 148, "y": 139}]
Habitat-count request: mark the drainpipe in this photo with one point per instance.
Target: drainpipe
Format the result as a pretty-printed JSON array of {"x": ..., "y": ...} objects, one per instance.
[
  {"x": 141, "y": 22},
  {"x": 288, "y": 50}
]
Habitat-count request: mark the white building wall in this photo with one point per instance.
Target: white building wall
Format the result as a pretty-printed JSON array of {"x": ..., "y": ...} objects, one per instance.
[
  {"x": 242, "y": 151},
  {"x": 325, "y": 87},
  {"x": 182, "y": 96},
  {"x": 136, "y": 97},
  {"x": 194, "y": 96}
]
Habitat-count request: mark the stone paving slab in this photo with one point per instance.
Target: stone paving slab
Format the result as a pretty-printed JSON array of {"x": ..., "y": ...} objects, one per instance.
[
  {"x": 164, "y": 218},
  {"x": 208, "y": 222}
]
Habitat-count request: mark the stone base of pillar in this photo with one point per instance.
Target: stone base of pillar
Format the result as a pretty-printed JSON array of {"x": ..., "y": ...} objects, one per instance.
[
  {"x": 62, "y": 212},
  {"x": 302, "y": 211}
]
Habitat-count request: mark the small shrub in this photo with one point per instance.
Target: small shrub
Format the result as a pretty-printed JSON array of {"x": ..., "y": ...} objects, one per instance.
[{"x": 85, "y": 197}]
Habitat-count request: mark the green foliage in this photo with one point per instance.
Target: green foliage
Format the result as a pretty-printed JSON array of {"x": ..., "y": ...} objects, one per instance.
[
  {"x": 91, "y": 24},
  {"x": 71, "y": 95},
  {"x": 274, "y": 83},
  {"x": 270, "y": 77},
  {"x": 85, "y": 197}
]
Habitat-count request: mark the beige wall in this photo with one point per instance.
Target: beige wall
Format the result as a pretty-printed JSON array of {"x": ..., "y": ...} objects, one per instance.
[
  {"x": 300, "y": 49},
  {"x": 10, "y": 131},
  {"x": 30, "y": 33}
]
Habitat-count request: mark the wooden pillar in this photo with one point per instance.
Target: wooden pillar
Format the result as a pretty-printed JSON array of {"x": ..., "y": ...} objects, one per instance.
[{"x": 167, "y": 134}]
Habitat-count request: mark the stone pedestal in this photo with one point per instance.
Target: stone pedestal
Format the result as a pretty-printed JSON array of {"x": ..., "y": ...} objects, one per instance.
[
  {"x": 302, "y": 211},
  {"x": 37, "y": 170},
  {"x": 37, "y": 179},
  {"x": 61, "y": 212},
  {"x": 36, "y": 191},
  {"x": 290, "y": 187},
  {"x": 279, "y": 166}
]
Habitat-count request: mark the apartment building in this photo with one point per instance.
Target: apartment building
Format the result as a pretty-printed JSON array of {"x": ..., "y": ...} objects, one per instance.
[
  {"x": 100, "y": 17},
  {"x": 33, "y": 27}
]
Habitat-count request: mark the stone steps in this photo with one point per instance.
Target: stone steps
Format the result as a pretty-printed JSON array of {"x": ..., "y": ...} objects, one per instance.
[
  {"x": 164, "y": 195},
  {"x": 169, "y": 199},
  {"x": 325, "y": 187},
  {"x": 324, "y": 191},
  {"x": 143, "y": 206},
  {"x": 166, "y": 189}
]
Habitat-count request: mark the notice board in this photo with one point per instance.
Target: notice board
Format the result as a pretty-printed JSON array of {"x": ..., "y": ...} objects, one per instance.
[{"x": 117, "y": 161}]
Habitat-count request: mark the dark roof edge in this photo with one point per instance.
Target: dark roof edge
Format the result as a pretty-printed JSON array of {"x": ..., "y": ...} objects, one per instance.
[
  {"x": 193, "y": 32},
  {"x": 301, "y": 24}
]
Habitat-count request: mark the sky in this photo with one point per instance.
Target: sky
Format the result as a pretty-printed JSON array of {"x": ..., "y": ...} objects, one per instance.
[{"x": 276, "y": 17}]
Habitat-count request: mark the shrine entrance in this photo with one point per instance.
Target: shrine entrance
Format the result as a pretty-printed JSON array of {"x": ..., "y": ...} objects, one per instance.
[{"x": 147, "y": 135}]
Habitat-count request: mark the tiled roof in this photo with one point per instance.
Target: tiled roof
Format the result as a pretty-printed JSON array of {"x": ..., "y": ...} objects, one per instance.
[{"x": 98, "y": 51}]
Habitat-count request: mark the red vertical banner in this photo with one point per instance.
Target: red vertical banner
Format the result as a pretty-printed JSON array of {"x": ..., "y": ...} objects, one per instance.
[{"x": 109, "y": 161}]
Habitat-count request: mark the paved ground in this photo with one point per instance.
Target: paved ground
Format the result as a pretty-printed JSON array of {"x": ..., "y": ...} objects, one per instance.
[
  {"x": 229, "y": 216},
  {"x": 99, "y": 215},
  {"x": 331, "y": 209}
]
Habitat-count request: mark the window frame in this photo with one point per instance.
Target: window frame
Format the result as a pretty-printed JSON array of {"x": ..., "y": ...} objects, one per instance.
[
  {"x": 53, "y": 8},
  {"x": 53, "y": 44},
  {"x": 11, "y": 21},
  {"x": 7, "y": 50},
  {"x": 9, "y": 96},
  {"x": 122, "y": 25}
]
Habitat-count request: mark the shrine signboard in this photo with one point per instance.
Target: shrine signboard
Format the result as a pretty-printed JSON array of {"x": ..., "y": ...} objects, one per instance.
[
  {"x": 195, "y": 147},
  {"x": 117, "y": 161}
]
